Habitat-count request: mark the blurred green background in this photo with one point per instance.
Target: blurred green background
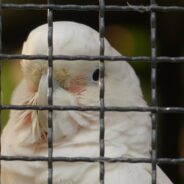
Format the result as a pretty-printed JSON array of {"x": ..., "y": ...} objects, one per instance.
[{"x": 129, "y": 33}]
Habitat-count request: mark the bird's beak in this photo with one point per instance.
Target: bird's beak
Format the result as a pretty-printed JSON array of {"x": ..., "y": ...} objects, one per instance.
[
  {"x": 43, "y": 90},
  {"x": 42, "y": 99}
]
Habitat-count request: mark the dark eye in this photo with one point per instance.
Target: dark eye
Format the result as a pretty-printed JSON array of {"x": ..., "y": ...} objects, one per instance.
[{"x": 96, "y": 75}]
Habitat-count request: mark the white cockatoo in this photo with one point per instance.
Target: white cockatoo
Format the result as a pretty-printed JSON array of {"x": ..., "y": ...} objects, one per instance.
[{"x": 127, "y": 134}]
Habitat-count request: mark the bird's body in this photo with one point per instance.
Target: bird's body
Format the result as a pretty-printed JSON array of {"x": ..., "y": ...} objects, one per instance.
[{"x": 127, "y": 134}]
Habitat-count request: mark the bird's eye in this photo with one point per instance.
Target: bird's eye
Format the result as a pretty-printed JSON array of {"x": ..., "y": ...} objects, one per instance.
[{"x": 96, "y": 75}]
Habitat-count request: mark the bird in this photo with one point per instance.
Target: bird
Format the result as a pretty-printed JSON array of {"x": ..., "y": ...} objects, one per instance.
[{"x": 76, "y": 133}]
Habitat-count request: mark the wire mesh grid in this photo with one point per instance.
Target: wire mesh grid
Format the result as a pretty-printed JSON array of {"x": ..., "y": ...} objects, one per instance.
[{"x": 153, "y": 8}]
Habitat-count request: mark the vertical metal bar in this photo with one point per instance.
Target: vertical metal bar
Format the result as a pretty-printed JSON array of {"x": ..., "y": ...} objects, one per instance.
[
  {"x": 153, "y": 92},
  {"x": 50, "y": 94},
  {"x": 0, "y": 78},
  {"x": 102, "y": 87}
]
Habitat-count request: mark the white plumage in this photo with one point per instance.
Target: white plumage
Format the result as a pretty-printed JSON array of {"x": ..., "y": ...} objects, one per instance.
[{"x": 127, "y": 134}]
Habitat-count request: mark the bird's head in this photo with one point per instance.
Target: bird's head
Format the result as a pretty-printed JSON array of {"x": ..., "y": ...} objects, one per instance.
[
  {"x": 69, "y": 38},
  {"x": 75, "y": 82},
  {"x": 77, "y": 77}
]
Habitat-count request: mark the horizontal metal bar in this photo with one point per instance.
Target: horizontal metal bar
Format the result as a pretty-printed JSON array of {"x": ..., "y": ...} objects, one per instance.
[
  {"x": 142, "y": 8},
  {"x": 127, "y": 8},
  {"x": 93, "y": 159},
  {"x": 170, "y": 160},
  {"x": 71, "y": 58},
  {"x": 94, "y": 108},
  {"x": 165, "y": 59},
  {"x": 169, "y": 59},
  {"x": 74, "y": 159}
]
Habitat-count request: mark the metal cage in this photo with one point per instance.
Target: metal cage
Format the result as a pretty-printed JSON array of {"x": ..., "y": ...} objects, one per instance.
[{"x": 152, "y": 9}]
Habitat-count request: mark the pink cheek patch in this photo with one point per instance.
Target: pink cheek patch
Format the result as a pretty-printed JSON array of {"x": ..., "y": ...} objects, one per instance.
[
  {"x": 77, "y": 89},
  {"x": 77, "y": 85}
]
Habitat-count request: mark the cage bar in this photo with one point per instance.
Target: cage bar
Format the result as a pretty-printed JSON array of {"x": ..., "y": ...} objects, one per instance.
[
  {"x": 153, "y": 93},
  {"x": 102, "y": 87},
  {"x": 94, "y": 159},
  {"x": 0, "y": 78},
  {"x": 94, "y": 108},
  {"x": 50, "y": 94},
  {"x": 153, "y": 8},
  {"x": 123, "y": 8},
  {"x": 159, "y": 59}
]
